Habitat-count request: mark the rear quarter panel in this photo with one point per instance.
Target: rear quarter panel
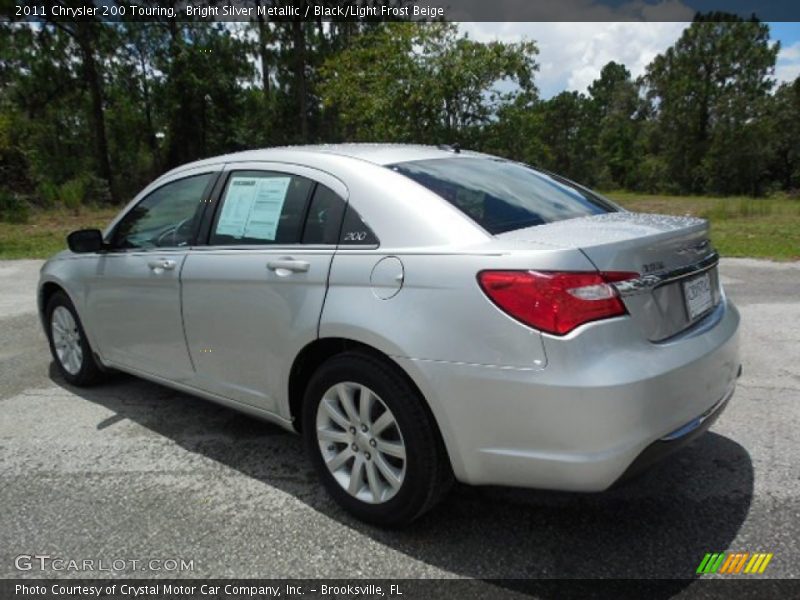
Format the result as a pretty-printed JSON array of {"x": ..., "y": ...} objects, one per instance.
[
  {"x": 440, "y": 313},
  {"x": 440, "y": 317}
]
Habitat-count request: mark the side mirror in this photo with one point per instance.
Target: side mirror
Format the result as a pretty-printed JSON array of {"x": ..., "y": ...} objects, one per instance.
[{"x": 85, "y": 240}]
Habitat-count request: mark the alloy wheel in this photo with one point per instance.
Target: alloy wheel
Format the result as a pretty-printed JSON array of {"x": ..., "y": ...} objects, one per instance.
[
  {"x": 361, "y": 442},
  {"x": 66, "y": 340}
]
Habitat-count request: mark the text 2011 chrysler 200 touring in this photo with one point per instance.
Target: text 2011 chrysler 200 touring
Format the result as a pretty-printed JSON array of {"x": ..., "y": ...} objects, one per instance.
[{"x": 420, "y": 314}]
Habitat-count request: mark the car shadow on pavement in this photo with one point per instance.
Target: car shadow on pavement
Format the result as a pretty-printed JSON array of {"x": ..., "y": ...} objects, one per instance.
[{"x": 659, "y": 525}]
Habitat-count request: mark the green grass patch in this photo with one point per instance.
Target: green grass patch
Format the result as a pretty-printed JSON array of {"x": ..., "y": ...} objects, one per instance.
[
  {"x": 740, "y": 226},
  {"x": 45, "y": 231}
]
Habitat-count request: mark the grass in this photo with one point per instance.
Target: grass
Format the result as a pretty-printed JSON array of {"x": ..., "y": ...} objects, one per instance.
[
  {"x": 740, "y": 226},
  {"x": 754, "y": 227},
  {"x": 45, "y": 233}
]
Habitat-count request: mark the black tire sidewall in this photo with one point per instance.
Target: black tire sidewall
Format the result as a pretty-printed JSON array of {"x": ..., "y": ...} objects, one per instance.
[{"x": 419, "y": 440}]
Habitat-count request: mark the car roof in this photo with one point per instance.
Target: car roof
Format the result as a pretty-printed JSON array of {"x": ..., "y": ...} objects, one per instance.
[
  {"x": 378, "y": 154},
  {"x": 385, "y": 154}
]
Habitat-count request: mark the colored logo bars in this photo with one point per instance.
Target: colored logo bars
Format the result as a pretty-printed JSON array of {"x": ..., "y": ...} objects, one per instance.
[{"x": 734, "y": 562}]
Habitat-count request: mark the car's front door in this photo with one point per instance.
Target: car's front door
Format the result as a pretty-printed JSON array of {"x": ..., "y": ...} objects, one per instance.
[
  {"x": 134, "y": 297},
  {"x": 252, "y": 297}
]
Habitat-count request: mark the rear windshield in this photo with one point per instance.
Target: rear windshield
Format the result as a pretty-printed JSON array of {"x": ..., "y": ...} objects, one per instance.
[{"x": 502, "y": 196}]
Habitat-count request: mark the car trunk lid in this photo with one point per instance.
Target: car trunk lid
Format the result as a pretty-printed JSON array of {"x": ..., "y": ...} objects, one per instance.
[{"x": 678, "y": 283}]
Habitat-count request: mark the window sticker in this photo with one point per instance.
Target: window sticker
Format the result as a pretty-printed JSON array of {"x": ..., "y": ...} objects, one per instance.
[
  {"x": 252, "y": 207},
  {"x": 237, "y": 206}
]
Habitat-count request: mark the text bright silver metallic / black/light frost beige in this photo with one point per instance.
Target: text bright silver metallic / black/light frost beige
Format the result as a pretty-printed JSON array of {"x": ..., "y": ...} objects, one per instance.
[{"x": 421, "y": 314}]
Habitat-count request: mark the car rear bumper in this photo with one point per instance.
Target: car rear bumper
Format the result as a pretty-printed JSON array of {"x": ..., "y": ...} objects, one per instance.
[
  {"x": 606, "y": 405},
  {"x": 675, "y": 440}
]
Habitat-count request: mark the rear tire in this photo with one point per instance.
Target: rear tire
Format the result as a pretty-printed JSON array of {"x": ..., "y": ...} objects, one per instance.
[
  {"x": 386, "y": 463},
  {"x": 68, "y": 343}
]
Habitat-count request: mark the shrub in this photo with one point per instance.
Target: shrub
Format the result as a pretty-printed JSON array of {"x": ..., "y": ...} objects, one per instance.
[
  {"x": 48, "y": 194},
  {"x": 72, "y": 193},
  {"x": 97, "y": 190},
  {"x": 13, "y": 208},
  {"x": 80, "y": 190}
]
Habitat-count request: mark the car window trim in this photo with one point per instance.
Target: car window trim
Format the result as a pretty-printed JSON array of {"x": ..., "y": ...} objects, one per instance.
[
  {"x": 295, "y": 248},
  {"x": 210, "y": 210},
  {"x": 307, "y": 210}
]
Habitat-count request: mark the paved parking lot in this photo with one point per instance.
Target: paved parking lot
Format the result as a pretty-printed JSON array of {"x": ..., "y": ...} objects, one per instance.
[{"x": 133, "y": 470}]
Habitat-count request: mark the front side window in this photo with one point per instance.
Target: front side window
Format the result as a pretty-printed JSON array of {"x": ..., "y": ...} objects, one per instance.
[
  {"x": 261, "y": 207},
  {"x": 502, "y": 196},
  {"x": 166, "y": 218}
]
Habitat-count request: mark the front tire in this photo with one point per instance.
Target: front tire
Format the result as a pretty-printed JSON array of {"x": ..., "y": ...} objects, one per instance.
[
  {"x": 68, "y": 343},
  {"x": 372, "y": 440}
]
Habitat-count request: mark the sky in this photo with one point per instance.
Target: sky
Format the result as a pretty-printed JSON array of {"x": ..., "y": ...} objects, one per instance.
[{"x": 572, "y": 54}]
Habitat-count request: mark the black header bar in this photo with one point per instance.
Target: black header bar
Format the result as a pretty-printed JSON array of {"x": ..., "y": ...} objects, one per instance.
[{"x": 418, "y": 10}]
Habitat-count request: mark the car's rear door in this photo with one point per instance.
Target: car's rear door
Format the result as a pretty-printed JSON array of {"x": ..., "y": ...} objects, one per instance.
[
  {"x": 252, "y": 296},
  {"x": 134, "y": 294}
]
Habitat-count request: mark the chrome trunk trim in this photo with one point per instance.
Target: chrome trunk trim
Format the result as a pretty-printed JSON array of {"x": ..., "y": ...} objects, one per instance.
[{"x": 647, "y": 283}]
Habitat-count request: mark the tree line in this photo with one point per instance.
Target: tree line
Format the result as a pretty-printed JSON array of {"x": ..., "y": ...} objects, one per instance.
[{"x": 91, "y": 111}]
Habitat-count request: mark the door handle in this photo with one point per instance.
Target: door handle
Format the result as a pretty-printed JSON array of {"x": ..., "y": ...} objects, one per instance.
[
  {"x": 288, "y": 265},
  {"x": 162, "y": 264}
]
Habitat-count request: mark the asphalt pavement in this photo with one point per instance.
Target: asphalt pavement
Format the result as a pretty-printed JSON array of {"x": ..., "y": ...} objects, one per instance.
[{"x": 131, "y": 470}]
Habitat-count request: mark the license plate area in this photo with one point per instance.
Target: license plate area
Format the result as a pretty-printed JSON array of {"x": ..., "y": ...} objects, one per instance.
[{"x": 698, "y": 295}]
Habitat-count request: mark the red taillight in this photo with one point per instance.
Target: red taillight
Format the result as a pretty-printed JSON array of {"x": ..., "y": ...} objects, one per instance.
[{"x": 555, "y": 302}]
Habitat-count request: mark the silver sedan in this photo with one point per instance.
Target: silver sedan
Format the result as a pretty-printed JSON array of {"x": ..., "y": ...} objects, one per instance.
[{"x": 420, "y": 314}]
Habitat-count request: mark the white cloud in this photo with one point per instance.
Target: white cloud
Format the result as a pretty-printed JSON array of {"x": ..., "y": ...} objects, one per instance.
[
  {"x": 788, "y": 66},
  {"x": 791, "y": 53},
  {"x": 571, "y": 55}
]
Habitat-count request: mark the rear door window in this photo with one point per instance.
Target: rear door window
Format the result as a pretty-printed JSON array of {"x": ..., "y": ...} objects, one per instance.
[
  {"x": 261, "y": 207},
  {"x": 502, "y": 196}
]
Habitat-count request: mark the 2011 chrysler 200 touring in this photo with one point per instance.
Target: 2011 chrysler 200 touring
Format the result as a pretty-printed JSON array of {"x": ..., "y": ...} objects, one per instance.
[{"x": 420, "y": 314}]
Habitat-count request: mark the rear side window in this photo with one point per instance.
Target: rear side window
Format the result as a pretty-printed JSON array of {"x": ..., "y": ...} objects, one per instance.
[
  {"x": 324, "y": 219},
  {"x": 331, "y": 220},
  {"x": 261, "y": 207},
  {"x": 503, "y": 196},
  {"x": 355, "y": 231}
]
